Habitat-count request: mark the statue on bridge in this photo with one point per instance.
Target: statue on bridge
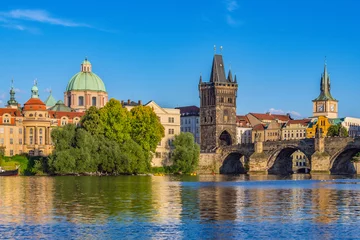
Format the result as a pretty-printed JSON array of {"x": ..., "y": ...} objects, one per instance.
[{"x": 319, "y": 133}]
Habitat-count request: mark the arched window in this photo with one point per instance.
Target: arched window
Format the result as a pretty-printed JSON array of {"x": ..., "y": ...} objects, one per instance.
[
  {"x": 93, "y": 100},
  {"x": 40, "y": 131},
  {"x": 31, "y": 131},
  {"x": 81, "y": 101}
]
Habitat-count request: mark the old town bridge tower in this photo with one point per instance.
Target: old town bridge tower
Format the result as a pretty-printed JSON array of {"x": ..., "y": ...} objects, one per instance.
[{"x": 217, "y": 108}]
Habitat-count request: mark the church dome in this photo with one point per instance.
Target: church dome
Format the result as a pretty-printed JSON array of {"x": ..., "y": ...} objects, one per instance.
[{"x": 86, "y": 80}]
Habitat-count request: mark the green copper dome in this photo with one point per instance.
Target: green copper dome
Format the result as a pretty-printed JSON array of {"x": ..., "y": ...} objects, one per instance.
[{"x": 86, "y": 80}]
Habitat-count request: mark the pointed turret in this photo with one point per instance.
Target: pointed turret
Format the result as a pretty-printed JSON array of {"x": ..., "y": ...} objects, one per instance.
[
  {"x": 200, "y": 80},
  {"x": 235, "y": 80},
  {"x": 325, "y": 86},
  {"x": 50, "y": 101},
  {"x": 12, "y": 102},
  {"x": 230, "y": 78},
  {"x": 218, "y": 71}
]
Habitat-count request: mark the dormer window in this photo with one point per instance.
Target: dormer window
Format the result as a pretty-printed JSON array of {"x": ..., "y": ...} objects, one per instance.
[{"x": 6, "y": 119}]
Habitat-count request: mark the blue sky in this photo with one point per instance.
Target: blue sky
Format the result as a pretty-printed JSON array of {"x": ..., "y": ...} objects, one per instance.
[{"x": 156, "y": 50}]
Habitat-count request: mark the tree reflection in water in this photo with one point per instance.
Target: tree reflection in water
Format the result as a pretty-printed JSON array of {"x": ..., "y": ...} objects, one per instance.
[{"x": 187, "y": 206}]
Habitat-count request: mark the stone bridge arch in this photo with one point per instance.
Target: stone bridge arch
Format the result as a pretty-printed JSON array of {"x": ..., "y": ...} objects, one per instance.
[
  {"x": 235, "y": 159},
  {"x": 340, "y": 161},
  {"x": 279, "y": 159}
]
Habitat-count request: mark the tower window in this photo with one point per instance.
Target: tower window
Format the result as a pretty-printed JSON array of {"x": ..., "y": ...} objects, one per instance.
[
  {"x": 69, "y": 101},
  {"x": 93, "y": 101},
  {"x": 81, "y": 101}
]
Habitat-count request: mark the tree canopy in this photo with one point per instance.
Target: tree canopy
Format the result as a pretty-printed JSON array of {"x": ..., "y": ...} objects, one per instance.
[
  {"x": 111, "y": 139},
  {"x": 337, "y": 131},
  {"x": 186, "y": 153}
]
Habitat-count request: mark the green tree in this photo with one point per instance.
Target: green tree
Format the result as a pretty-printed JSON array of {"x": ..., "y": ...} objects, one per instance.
[
  {"x": 91, "y": 121},
  {"x": 337, "y": 130},
  {"x": 343, "y": 132},
  {"x": 146, "y": 129},
  {"x": 333, "y": 131},
  {"x": 186, "y": 153},
  {"x": 115, "y": 121}
]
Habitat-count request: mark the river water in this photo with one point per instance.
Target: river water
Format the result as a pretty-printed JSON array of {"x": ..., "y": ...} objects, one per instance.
[{"x": 178, "y": 207}]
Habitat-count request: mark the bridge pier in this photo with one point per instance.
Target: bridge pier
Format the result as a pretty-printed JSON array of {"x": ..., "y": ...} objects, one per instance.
[
  {"x": 258, "y": 163},
  {"x": 320, "y": 162}
]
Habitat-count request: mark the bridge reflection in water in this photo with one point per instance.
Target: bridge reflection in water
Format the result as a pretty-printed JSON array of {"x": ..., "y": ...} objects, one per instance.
[
  {"x": 220, "y": 206},
  {"x": 327, "y": 155}
]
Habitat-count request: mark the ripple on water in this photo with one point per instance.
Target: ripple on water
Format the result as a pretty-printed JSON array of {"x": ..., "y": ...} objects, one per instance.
[{"x": 178, "y": 207}]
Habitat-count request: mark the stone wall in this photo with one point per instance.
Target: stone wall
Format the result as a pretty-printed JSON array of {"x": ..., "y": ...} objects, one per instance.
[{"x": 209, "y": 163}]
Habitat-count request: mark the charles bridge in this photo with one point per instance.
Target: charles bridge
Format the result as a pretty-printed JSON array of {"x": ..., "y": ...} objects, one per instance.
[{"x": 325, "y": 154}]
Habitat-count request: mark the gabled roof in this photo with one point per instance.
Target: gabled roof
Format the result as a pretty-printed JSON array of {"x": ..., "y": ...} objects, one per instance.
[
  {"x": 242, "y": 121},
  {"x": 259, "y": 127},
  {"x": 189, "y": 110},
  {"x": 269, "y": 116},
  {"x": 303, "y": 122}
]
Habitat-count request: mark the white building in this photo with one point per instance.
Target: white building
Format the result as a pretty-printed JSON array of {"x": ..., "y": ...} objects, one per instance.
[
  {"x": 190, "y": 116},
  {"x": 352, "y": 125},
  {"x": 170, "y": 119},
  {"x": 243, "y": 130}
]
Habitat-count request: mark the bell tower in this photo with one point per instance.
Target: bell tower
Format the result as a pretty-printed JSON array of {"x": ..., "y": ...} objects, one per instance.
[
  {"x": 325, "y": 104},
  {"x": 217, "y": 107}
]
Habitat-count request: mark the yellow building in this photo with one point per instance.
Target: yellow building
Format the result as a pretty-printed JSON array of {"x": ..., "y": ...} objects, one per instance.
[{"x": 321, "y": 123}]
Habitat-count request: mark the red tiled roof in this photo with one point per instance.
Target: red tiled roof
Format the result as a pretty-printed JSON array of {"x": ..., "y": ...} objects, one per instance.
[
  {"x": 189, "y": 110},
  {"x": 12, "y": 111},
  {"x": 303, "y": 122},
  {"x": 242, "y": 120},
  {"x": 258, "y": 127},
  {"x": 269, "y": 116},
  {"x": 34, "y": 104},
  {"x": 58, "y": 115}
]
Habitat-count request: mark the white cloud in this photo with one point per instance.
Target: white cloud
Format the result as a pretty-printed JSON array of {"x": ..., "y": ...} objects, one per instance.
[
  {"x": 231, "y": 5},
  {"x": 294, "y": 113},
  {"x": 48, "y": 90},
  {"x": 276, "y": 111},
  {"x": 280, "y": 111},
  {"x": 40, "y": 16}
]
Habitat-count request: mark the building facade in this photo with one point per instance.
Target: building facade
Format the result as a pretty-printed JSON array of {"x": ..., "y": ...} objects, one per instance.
[
  {"x": 190, "y": 121},
  {"x": 217, "y": 108},
  {"x": 85, "y": 89},
  {"x": 243, "y": 130},
  {"x": 28, "y": 129},
  {"x": 325, "y": 104},
  {"x": 295, "y": 129},
  {"x": 170, "y": 119},
  {"x": 320, "y": 124}
]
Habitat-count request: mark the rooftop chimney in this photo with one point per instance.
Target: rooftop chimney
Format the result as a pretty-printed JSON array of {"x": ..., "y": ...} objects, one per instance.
[
  {"x": 128, "y": 102},
  {"x": 140, "y": 103}
]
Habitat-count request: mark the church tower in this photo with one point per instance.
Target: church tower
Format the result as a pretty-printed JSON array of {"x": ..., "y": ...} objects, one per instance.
[
  {"x": 325, "y": 104},
  {"x": 12, "y": 103},
  {"x": 217, "y": 107}
]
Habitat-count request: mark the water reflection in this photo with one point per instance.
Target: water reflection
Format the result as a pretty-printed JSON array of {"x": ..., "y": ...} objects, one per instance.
[{"x": 189, "y": 207}]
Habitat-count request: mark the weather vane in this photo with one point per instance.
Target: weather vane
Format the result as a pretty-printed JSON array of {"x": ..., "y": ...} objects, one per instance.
[{"x": 215, "y": 49}]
